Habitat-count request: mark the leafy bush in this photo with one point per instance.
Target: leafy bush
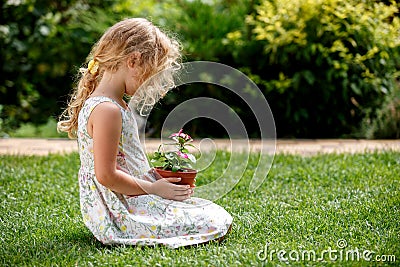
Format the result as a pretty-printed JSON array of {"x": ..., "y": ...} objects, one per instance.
[
  {"x": 47, "y": 130},
  {"x": 385, "y": 122},
  {"x": 45, "y": 52},
  {"x": 322, "y": 64},
  {"x": 42, "y": 46},
  {"x": 201, "y": 27}
]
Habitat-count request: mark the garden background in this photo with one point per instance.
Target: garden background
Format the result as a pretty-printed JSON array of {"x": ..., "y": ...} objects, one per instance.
[{"x": 329, "y": 69}]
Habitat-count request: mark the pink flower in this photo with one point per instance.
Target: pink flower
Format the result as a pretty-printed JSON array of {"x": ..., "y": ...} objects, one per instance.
[
  {"x": 182, "y": 155},
  {"x": 176, "y": 134},
  {"x": 181, "y": 134}
]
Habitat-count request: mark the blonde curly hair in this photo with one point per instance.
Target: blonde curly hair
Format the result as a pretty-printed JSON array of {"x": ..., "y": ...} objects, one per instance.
[{"x": 160, "y": 59}]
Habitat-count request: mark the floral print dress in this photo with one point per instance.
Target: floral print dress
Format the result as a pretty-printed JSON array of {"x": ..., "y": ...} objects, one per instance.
[{"x": 115, "y": 218}]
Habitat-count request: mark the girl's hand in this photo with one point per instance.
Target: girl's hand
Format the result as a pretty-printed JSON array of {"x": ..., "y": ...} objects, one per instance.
[
  {"x": 165, "y": 188},
  {"x": 155, "y": 174}
]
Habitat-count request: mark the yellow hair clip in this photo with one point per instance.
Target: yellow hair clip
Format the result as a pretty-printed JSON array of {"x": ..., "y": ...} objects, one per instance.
[{"x": 93, "y": 66}]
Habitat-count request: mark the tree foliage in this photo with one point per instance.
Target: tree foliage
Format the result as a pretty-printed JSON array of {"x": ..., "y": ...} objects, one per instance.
[
  {"x": 41, "y": 47},
  {"x": 324, "y": 66}
]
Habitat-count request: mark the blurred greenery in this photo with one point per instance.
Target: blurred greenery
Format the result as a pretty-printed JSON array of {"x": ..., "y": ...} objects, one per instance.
[
  {"x": 385, "y": 121},
  {"x": 327, "y": 68},
  {"x": 42, "y": 44},
  {"x": 47, "y": 130},
  {"x": 325, "y": 63}
]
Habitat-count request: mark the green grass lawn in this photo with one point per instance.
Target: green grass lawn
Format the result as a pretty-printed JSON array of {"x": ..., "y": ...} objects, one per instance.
[{"x": 306, "y": 204}]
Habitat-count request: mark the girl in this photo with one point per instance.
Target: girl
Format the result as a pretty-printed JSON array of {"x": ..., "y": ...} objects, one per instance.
[{"x": 122, "y": 200}]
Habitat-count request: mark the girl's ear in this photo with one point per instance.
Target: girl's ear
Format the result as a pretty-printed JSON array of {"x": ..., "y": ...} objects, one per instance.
[{"x": 134, "y": 59}]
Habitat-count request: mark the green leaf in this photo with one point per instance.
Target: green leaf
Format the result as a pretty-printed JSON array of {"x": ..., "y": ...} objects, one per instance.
[
  {"x": 170, "y": 155},
  {"x": 175, "y": 168},
  {"x": 191, "y": 158},
  {"x": 187, "y": 165}
]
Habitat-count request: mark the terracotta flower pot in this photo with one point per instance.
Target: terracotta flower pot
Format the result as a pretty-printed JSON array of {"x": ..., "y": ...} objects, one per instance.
[{"x": 187, "y": 177}]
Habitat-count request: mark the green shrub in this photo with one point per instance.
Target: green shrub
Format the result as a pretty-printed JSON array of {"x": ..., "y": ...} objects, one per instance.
[
  {"x": 47, "y": 130},
  {"x": 43, "y": 44},
  {"x": 201, "y": 27},
  {"x": 44, "y": 53},
  {"x": 322, "y": 64},
  {"x": 385, "y": 122}
]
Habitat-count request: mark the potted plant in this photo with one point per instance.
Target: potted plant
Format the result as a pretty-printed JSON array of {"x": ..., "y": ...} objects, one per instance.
[{"x": 178, "y": 161}]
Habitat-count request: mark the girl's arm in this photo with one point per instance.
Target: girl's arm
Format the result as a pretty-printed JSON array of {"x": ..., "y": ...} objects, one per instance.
[{"x": 104, "y": 125}]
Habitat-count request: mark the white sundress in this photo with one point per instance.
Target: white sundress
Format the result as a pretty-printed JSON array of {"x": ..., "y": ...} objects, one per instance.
[{"x": 114, "y": 218}]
